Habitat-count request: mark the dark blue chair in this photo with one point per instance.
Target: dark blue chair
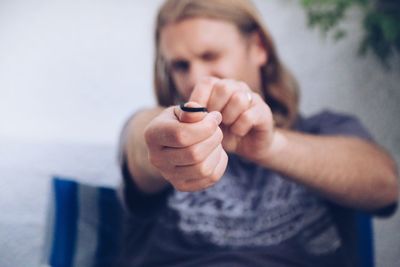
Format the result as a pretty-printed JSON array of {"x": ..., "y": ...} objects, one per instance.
[
  {"x": 99, "y": 210},
  {"x": 365, "y": 240},
  {"x": 84, "y": 225},
  {"x": 356, "y": 230}
]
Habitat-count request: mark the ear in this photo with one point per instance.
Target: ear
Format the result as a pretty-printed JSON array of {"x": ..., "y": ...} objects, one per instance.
[{"x": 258, "y": 51}]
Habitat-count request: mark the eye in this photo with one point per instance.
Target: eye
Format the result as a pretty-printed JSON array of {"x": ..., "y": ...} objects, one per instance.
[
  {"x": 210, "y": 56},
  {"x": 180, "y": 66}
]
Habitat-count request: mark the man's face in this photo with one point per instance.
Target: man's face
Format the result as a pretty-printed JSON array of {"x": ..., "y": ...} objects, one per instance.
[{"x": 199, "y": 47}]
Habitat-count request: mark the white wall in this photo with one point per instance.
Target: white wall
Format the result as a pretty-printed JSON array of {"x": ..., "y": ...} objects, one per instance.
[{"x": 72, "y": 71}]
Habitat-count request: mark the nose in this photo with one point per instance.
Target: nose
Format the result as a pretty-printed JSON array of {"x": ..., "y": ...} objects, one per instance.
[{"x": 198, "y": 71}]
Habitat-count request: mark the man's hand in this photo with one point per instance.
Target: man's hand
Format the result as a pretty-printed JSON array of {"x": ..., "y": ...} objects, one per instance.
[
  {"x": 247, "y": 121},
  {"x": 186, "y": 148}
]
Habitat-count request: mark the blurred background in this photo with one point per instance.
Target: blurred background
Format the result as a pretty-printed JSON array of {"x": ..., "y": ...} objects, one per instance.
[{"x": 71, "y": 72}]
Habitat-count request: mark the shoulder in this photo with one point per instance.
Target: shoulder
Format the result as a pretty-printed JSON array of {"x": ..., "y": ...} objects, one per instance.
[{"x": 328, "y": 122}]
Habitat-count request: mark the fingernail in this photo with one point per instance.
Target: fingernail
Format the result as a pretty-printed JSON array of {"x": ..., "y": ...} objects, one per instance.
[{"x": 191, "y": 104}]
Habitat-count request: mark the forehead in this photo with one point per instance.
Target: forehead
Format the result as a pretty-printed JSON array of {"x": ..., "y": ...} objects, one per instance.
[{"x": 194, "y": 35}]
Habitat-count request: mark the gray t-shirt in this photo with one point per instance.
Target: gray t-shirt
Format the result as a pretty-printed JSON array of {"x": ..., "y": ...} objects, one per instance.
[{"x": 251, "y": 217}]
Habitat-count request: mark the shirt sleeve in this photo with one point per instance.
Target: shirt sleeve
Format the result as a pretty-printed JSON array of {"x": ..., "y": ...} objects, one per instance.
[
  {"x": 140, "y": 204},
  {"x": 135, "y": 202},
  {"x": 330, "y": 123}
]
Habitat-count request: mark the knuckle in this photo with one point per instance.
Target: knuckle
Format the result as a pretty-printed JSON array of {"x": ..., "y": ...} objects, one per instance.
[
  {"x": 214, "y": 178},
  {"x": 180, "y": 136},
  {"x": 208, "y": 80},
  {"x": 209, "y": 126},
  {"x": 246, "y": 117},
  {"x": 221, "y": 88},
  {"x": 180, "y": 187},
  {"x": 184, "y": 187},
  {"x": 220, "y": 135},
  {"x": 257, "y": 97},
  {"x": 243, "y": 85},
  {"x": 194, "y": 154},
  {"x": 239, "y": 100},
  {"x": 205, "y": 170},
  {"x": 238, "y": 131}
]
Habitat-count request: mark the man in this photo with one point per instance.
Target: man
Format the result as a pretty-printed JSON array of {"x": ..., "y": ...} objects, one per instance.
[{"x": 250, "y": 182}]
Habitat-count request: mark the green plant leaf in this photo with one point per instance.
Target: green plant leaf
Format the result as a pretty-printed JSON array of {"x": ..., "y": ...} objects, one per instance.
[{"x": 381, "y": 23}]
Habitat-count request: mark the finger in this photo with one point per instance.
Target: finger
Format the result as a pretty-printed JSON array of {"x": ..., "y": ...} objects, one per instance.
[
  {"x": 157, "y": 132},
  {"x": 221, "y": 93},
  {"x": 193, "y": 154},
  {"x": 242, "y": 126},
  {"x": 255, "y": 117},
  {"x": 201, "y": 184},
  {"x": 193, "y": 185},
  {"x": 230, "y": 140},
  {"x": 176, "y": 134},
  {"x": 237, "y": 104},
  {"x": 200, "y": 170},
  {"x": 202, "y": 91},
  {"x": 190, "y": 117},
  {"x": 221, "y": 166}
]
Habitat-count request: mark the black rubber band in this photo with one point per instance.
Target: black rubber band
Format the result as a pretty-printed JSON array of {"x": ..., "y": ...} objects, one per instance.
[{"x": 192, "y": 109}]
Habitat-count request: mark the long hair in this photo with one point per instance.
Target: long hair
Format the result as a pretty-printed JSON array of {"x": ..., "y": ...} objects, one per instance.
[{"x": 279, "y": 87}]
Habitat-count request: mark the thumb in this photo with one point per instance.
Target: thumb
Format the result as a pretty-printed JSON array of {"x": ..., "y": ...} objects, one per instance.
[{"x": 188, "y": 115}]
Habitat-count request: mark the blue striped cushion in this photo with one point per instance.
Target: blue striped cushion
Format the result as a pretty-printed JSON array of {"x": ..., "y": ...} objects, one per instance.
[{"x": 84, "y": 225}]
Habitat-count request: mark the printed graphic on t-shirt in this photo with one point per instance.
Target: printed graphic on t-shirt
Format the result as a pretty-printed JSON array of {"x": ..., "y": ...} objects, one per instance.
[{"x": 250, "y": 208}]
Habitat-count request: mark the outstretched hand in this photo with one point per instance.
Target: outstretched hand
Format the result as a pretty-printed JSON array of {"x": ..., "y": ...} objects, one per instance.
[{"x": 189, "y": 148}]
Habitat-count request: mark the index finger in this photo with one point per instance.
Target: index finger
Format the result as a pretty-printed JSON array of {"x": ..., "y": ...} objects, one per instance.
[
  {"x": 202, "y": 91},
  {"x": 190, "y": 112},
  {"x": 180, "y": 134}
]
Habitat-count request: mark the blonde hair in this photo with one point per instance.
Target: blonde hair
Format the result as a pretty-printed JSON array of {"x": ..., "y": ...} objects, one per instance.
[{"x": 279, "y": 87}]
